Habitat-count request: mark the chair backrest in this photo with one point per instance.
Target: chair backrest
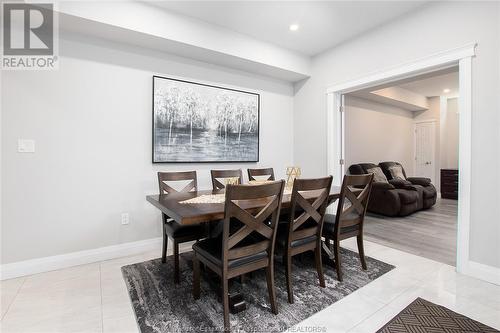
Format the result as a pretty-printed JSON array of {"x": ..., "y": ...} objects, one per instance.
[
  {"x": 310, "y": 220},
  {"x": 217, "y": 174},
  {"x": 353, "y": 214},
  {"x": 164, "y": 177},
  {"x": 261, "y": 172},
  {"x": 245, "y": 233}
]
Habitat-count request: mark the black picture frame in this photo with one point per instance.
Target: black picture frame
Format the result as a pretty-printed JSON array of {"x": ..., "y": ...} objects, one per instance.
[{"x": 155, "y": 161}]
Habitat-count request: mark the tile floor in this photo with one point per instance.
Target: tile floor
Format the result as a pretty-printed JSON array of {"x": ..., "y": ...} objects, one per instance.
[{"x": 93, "y": 298}]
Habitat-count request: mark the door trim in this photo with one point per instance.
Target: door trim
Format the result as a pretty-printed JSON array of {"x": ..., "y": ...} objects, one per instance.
[
  {"x": 431, "y": 63},
  {"x": 461, "y": 56}
]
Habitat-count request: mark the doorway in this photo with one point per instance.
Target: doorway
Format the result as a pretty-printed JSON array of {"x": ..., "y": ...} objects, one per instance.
[{"x": 335, "y": 137}]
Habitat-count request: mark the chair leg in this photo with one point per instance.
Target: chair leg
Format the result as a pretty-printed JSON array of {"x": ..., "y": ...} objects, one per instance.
[
  {"x": 196, "y": 277},
  {"x": 319, "y": 266},
  {"x": 336, "y": 250},
  {"x": 329, "y": 242},
  {"x": 176, "y": 262},
  {"x": 164, "y": 248},
  {"x": 361, "y": 250},
  {"x": 270, "y": 288},
  {"x": 288, "y": 269},
  {"x": 225, "y": 303}
]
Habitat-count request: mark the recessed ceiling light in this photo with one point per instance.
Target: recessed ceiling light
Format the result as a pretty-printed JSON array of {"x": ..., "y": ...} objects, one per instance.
[
  {"x": 446, "y": 90},
  {"x": 294, "y": 27}
]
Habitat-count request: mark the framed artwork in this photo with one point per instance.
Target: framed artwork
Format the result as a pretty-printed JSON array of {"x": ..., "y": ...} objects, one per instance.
[{"x": 194, "y": 122}]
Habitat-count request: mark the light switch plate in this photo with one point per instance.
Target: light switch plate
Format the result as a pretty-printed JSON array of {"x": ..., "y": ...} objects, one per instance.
[
  {"x": 25, "y": 146},
  {"x": 125, "y": 219}
]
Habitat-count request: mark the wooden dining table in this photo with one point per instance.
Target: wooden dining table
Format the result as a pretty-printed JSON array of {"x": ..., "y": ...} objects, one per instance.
[{"x": 174, "y": 205}]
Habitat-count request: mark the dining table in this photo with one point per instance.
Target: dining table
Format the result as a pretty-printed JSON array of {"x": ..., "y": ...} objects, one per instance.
[{"x": 205, "y": 206}]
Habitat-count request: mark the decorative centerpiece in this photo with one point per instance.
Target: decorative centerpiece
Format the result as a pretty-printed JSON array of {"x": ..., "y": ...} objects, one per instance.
[
  {"x": 231, "y": 181},
  {"x": 292, "y": 173}
]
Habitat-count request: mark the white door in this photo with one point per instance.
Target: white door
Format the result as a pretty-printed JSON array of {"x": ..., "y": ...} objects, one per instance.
[{"x": 425, "y": 147}]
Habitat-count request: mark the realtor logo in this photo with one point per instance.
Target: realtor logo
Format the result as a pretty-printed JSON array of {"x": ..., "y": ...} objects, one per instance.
[{"x": 29, "y": 36}]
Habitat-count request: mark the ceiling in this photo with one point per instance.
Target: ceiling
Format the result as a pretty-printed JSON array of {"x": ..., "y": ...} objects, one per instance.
[
  {"x": 426, "y": 85},
  {"x": 434, "y": 86},
  {"x": 323, "y": 24}
]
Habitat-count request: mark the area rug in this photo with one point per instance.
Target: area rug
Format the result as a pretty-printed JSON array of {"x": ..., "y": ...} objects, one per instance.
[
  {"x": 162, "y": 306},
  {"x": 424, "y": 316}
]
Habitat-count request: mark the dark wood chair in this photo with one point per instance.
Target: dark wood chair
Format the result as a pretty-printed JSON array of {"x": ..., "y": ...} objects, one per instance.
[
  {"x": 302, "y": 233},
  {"x": 261, "y": 172},
  {"x": 218, "y": 174},
  {"x": 247, "y": 242},
  {"x": 171, "y": 229},
  {"x": 348, "y": 222}
]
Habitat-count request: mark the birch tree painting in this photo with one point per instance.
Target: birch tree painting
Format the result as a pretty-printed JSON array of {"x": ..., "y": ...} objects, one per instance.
[{"x": 194, "y": 122}]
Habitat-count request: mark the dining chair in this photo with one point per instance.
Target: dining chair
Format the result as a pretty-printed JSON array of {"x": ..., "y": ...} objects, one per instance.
[
  {"x": 247, "y": 242},
  {"x": 261, "y": 172},
  {"x": 349, "y": 220},
  {"x": 171, "y": 229},
  {"x": 302, "y": 233},
  {"x": 218, "y": 174}
]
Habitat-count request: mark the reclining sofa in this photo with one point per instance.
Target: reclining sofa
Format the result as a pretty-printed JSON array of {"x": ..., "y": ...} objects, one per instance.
[{"x": 393, "y": 193}]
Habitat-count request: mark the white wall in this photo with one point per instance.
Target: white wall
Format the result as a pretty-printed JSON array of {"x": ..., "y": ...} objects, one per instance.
[
  {"x": 434, "y": 28},
  {"x": 91, "y": 120},
  {"x": 376, "y": 133},
  {"x": 449, "y": 137}
]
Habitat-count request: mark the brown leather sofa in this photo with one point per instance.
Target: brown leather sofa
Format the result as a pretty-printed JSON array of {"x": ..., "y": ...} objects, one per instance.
[
  {"x": 396, "y": 197},
  {"x": 427, "y": 193}
]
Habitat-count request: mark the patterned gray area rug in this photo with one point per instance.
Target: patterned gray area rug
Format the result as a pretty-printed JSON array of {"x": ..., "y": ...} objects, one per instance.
[
  {"x": 424, "y": 316},
  {"x": 162, "y": 306}
]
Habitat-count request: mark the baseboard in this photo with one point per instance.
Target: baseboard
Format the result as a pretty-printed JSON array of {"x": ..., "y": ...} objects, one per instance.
[
  {"x": 483, "y": 272},
  {"x": 45, "y": 264}
]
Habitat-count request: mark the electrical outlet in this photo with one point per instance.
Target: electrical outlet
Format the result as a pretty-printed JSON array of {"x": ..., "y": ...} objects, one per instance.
[{"x": 125, "y": 219}]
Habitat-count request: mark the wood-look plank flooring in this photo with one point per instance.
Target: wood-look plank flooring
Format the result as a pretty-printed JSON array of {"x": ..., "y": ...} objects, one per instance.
[{"x": 429, "y": 233}]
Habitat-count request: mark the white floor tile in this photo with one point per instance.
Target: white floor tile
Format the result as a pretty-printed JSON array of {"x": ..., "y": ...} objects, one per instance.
[
  {"x": 376, "y": 320},
  {"x": 42, "y": 317},
  {"x": 8, "y": 291},
  {"x": 11, "y": 285},
  {"x": 370, "y": 247},
  {"x": 477, "y": 290},
  {"x": 44, "y": 280},
  {"x": 342, "y": 315},
  {"x": 388, "y": 287},
  {"x": 112, "y": 286},
  {"x": 126, "y": 324},
  {"x": 67, "y": 300},
  {"x": 94, "y": 298},
  {"x": 116, "y": 308}
]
